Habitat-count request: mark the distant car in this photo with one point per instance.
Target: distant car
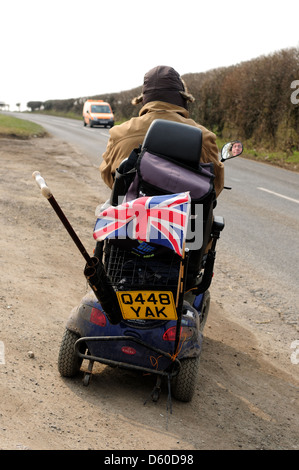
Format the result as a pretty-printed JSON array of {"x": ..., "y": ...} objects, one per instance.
[{"x": 97, "y": 113}]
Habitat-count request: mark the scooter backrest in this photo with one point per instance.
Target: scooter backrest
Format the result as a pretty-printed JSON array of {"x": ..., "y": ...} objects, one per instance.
[{"x": 177, "y": 141}]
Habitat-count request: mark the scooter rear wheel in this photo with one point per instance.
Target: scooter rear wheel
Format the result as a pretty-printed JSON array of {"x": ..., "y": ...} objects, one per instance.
[
  {"x": 69, "y": 362},
  {"x": 183, "y": 385},
  {"x": 205, "y": 310}
]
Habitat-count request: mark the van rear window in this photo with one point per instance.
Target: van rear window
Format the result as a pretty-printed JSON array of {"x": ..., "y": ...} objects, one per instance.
[{"x": 98, "y": 108}]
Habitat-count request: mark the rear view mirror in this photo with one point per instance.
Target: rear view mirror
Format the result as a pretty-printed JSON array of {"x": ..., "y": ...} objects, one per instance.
[{"x": 231, "y": 150}]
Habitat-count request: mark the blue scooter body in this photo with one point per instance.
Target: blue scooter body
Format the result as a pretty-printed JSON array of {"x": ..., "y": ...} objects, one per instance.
[{"x": 147, "y": 344}]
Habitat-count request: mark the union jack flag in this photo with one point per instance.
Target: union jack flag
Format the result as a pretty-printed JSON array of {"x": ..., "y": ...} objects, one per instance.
[{"x": 157, "y": 219}]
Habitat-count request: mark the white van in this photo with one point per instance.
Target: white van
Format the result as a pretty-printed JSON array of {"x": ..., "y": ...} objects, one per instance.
[{"x": 97, "y": 113}]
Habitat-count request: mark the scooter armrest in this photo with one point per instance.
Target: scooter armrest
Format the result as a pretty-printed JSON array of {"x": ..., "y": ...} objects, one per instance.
[{"x": 218, "y": 224}]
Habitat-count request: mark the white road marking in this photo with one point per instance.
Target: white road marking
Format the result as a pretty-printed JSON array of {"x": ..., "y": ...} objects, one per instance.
[{"x": 279, "y": 195}]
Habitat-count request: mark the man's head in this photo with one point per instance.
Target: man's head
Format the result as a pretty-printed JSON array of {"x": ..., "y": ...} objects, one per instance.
[{"x": 163, "y": 83}]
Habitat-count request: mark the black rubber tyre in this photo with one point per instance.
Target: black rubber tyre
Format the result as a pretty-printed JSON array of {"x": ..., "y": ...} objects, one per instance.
[
  {"x": 183, "y": 385},
  {"x": 68, "y": 361}
]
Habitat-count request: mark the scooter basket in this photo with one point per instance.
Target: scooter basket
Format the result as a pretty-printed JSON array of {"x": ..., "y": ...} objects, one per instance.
[{"x": 127, "y": 270}]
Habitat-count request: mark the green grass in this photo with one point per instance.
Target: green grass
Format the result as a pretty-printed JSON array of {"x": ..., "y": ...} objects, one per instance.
[
  {"x": 276, "y": 158},
  {"x": 19, "y": 128},
  {"x": 293, "y": 158}
]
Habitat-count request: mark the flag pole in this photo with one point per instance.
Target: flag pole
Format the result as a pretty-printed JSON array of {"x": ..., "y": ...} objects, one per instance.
[
  {"x": 180, "y": 298},
  {"x": 181, "y": 275}
]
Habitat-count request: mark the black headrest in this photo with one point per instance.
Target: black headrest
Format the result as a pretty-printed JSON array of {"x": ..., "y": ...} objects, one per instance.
[{"x": 174, "y": 140}]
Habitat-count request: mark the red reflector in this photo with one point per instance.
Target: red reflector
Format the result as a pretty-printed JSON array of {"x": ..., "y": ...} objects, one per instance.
[
  {"x": 128, "y": 350},
  {"x": 169, "y": 334},
  {"x": 185, "y": 333},
  {"x": 97, "y": 317}
]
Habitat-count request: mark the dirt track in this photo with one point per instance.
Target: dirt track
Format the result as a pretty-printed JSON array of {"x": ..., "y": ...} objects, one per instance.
[{"x": 247, "y": 390}]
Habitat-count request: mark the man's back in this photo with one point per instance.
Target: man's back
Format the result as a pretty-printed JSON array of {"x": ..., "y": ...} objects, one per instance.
[{"x": 130, "y": 134}]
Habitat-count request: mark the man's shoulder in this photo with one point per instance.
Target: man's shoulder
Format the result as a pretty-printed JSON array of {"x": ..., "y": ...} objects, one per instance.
[
  {"x": 200, "y": 126},
  {"x": 133, "y": 127}
]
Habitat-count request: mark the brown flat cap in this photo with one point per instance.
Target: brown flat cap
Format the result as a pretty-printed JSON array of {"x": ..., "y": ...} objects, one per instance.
[{"x": 163, "y": 83}]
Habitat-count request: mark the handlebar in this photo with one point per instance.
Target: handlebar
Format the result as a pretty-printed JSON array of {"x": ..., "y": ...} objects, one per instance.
[{"x": 42, "y": 184}]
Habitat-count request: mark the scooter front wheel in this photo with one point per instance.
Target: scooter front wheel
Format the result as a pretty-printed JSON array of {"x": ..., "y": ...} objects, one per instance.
[{"x": 69, "y": 362}]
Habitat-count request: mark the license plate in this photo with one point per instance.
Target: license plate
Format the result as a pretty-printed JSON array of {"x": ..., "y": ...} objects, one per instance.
[{"x": 147, "y": 305}]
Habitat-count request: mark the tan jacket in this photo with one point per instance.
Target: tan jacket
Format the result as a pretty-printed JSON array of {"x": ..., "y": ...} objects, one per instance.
[{"x": 129, "y": 135}]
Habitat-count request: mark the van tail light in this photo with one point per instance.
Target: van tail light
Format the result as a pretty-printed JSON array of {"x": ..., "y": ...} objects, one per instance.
[
  {"x": 170, "y": 334},
  {"x": 97, "y": 317}
]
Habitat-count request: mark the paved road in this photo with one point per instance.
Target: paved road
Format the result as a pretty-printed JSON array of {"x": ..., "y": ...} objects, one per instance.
[
  {"x": 262, "y": 225},
  {"x": 261, "y": 214},
  {"x": 90, "y": 141}
]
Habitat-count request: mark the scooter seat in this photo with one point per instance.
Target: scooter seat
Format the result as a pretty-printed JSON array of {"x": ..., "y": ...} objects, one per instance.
[{"x": 177, "y": 141}]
